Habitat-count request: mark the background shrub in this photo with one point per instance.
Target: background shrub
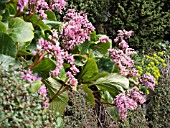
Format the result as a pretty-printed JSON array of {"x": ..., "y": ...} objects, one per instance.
[{"x": 149, "y": 19}]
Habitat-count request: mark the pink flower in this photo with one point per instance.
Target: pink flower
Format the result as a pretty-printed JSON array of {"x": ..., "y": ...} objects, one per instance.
[
  {"x": 149, "y": 81},
  {"x": 75, "y": 30},
  {"x": 136, "y": 96},
  {"x": 123, "y": 103},
  {"x": 104, "y": 39}
]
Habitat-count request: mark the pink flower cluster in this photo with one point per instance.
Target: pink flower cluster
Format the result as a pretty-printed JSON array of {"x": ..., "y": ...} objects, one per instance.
[
  {"x": 30, "y": 77},
  {"x": 122, "y": 57},
  {"x": 40, "y": 6},
  {"x": 56, "y": 52},
  {"x": 124, "y": 102},
  {"x": 43, "y": 92},
  {"x": 104, "y": 39},
  {"x": 75, "y": 29},
  {"x": 149, "y": 81}
]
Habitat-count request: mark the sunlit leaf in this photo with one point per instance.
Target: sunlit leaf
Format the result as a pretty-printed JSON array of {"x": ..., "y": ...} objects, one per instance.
[
  {"x": 35, "y": 86},
  {"x": 20, "y": 31},
  {"x": 59, "y": 103}
]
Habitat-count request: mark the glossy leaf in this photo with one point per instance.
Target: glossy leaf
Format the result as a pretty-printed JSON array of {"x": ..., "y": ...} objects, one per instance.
[
  {"x": 89, "y": 94},
  {"x": 59, "y": 123},
  {"x": 45, "y": 65},
  {"x": 50, "y": 15},
  {"x": 96, "y": 76},
  {"x": 20, "y": 31},
  {"x": 7, "y": 61},
  {"x": 62, "y": 75},
  {"x": 35, "y": 20},
  {"x": 35, "y": 86},
  {"x": 89, "y": 70},
  {"x": 102, "y": 48},
  {"x": 23, "y": 52},
  {"x": 106, "y": 97},
  {"x": 7, "y": 45},
  {"x": 105, "y": 65},
  {"x": 114, "y": 78},
  {"x": 3, "y": 27},
  {"x": 83, "y": 48},
  {"x": 59, "y": 103}
]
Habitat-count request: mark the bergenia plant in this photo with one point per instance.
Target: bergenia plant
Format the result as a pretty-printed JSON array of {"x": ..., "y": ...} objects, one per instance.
[{"x": 56, "y": 56}]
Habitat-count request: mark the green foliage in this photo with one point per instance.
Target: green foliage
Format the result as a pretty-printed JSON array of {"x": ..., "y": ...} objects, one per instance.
[
  {"x": 59, "y": 103},
  {"x": 158, "y": 108},
  {"x": 148, "y": 19},
  {"x": 7, "y": 45},
  {"x": 19, "y": 107}
]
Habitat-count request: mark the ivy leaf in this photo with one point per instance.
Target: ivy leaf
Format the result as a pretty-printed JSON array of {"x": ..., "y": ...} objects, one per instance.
[
  {"x": 58, "y": 105},
  {"x": 90, "y": 69},
  {"x": 7, "y": 45},
  {"x": 20, "y": 31},
  {"x": 89, "y": 94},
  {"x": 45, "y": 65},
  {"x": 7, "y": 61},
  {"x": 35, "y": 86}
]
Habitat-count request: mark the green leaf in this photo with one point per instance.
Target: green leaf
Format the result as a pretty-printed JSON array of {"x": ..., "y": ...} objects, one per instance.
[
  {"x": 20, "y": 31},
  {"x": 2, "y": 6},
  {"x": 7, "y": 61},
  {"x": 89, "y": 70},
  {"x": 45, "y": 65},
  {"x": 51, "y": 15},
  {"x": 93, "y": 36},
  {"x": 96, "y": 76},
  {"x": 114, "y": 78},
  {"x": 7, "y": 45},
  {"x": 58, "y": 105},
  {"x": 105, "y": 65},
  {"x": 59, "y": 123},
  {"x": 53, "y": 23},
  {"x": 62, "y": 74},
  {"x": 3, "y": 27},
  {"x": 89, "y": 94},
  {"x": 23, "y": 52},
  {"x": 83, "y": 48},
  {"x": 35, "y": 86},
  {"x": 102, "y": 48},
  {"x": 106, "y": 97},
  {"x": 35, "y": 20},
  {"x": 113, "y": 83}
]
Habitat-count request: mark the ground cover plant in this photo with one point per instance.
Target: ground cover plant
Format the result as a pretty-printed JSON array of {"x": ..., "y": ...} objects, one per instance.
[{"x": 51, "y": 57}]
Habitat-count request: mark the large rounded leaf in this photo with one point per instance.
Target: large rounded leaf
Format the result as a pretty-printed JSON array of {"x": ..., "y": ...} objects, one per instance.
[
  {"x": 7, "y": 45},
  {"x": 113, "y": 78},
  {"x": 89, "y": 70},
  {"x": 7, "y": 61},
  {"x": 58, "y": 105},
  {"x": 20, "y": 31}
]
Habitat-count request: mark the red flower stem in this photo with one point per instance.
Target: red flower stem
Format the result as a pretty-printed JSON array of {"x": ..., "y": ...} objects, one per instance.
[
  {"x": 57, "y": 93},
  {"x": 34, "y": 64}
]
